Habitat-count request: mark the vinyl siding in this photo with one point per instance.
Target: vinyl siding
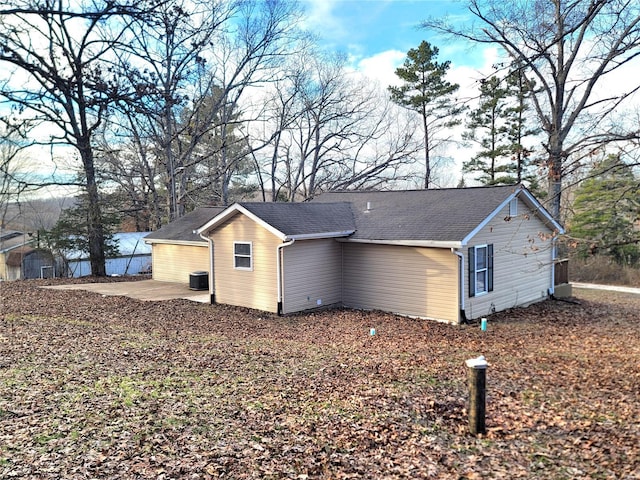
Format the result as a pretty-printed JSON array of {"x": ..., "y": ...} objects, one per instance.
[
  {"x": 254, "y": 288},
  {"x": 414, "y": 281},
  {"x": 312, "y": 272},
  {"x": 8, "y": 272},
  {"x": 3, "y": 267},
  {"x": 521, "y": 262},
  {"x": 174, "y": 263}
]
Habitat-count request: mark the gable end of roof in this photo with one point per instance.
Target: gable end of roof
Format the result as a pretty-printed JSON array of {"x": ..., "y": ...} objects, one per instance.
[
  {"x": 291, "y": 221},
  {"x": 527, "y": 197}
]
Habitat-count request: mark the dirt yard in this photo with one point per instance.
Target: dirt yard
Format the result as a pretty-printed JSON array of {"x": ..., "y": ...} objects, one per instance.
[{"x": 110, "y": 387}]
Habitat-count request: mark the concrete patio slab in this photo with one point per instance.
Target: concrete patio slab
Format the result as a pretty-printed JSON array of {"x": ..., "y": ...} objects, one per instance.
[
  {"x": 147, "y": 290},
  {"x": 611, "y": 288}
]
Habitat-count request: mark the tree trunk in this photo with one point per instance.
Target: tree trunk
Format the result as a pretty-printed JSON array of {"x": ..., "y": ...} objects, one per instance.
[
  {"x": 225, "y": 170},
  {"x": 95, "y": 230},
  {"x": 555, "y": 184},
  {"x": 427, "y": 159}
]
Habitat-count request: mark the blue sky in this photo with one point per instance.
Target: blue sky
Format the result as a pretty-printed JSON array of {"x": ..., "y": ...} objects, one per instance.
[
  {"x": 376, "y": 34},
  {"x": 364, "y": 28}
]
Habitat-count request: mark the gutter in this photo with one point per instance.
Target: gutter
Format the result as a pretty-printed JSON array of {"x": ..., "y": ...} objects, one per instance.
[
  {"x": 552, "y": 288},
  {"x": 408, "y": 243},
  {"x": 153, "y": 241},
  {"x": 212, "y": 289},
  {"x": 463, "y": 315},
  {"x": 279, "y": 271},
  {"x": 314, "y": 236}
]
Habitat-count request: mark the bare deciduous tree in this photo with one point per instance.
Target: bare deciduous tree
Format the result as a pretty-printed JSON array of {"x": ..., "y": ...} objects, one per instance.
[
  {"x": 325, "y": 129},
  {"x": 54, "y": 53},
  {"x": 13, "y": 172},
  {"x": 570, "y": 49},
  {"x": 192, "y": 84},
  {"x": 165, "y": 63},
  {"x": 129, "y": 168}
]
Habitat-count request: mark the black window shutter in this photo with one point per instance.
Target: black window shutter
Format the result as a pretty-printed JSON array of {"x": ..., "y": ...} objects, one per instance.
[
  {"x": 472, "y": 272},
  {"x": 490, "y": 268}
]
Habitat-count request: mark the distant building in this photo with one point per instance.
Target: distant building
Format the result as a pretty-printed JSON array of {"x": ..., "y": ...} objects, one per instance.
[
  {"x": 133, "y": 258},
  {"x": 20, "y": 260}
]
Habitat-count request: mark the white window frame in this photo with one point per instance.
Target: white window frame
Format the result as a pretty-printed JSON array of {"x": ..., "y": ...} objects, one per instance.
[
  {"x": 513, "y": 207},
  {"x": 484, "y": 271},
  {"x": 241, "y": 255}
]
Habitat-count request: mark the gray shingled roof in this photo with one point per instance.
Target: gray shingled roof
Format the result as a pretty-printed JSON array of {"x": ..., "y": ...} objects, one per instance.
[
  {"x": 445, "y": 215},
  {"x": 305, "y": 218},
  {"x": 434, "y": 215},
  {"x": 182, "y": 228},
  {"x": 10, "y": 239}
]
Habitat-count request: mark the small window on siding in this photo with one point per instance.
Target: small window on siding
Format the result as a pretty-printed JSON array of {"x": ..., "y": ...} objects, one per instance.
[
  {"x": 480, "y": 270},
  {"x": 513, "y": 207},
  {"x": 242, "y": 256}
]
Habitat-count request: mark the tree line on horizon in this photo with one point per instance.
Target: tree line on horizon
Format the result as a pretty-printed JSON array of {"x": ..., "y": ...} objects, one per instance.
[{"x": 162, "y": 106}]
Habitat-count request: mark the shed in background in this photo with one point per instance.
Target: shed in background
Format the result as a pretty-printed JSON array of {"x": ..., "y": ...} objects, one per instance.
[
  {"x": 133, "y": 258},
  {"x": 20, "y": 260}
]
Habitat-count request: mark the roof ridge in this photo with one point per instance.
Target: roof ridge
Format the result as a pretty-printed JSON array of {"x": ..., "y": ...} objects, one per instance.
[{"x": 414, "y": 190}]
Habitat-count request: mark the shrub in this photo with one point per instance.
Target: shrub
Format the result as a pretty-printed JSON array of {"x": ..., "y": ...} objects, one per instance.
[{"x": 602, "y": 269}]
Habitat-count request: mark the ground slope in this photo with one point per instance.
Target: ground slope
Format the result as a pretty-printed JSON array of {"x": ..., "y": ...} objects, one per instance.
[{"x": 110, "y": 387}]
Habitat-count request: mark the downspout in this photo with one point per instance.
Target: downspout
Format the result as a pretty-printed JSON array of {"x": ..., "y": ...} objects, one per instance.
[
  {"x": 552, "y": 288},
  {"x": 463, "y": 315},
  {"x": 212, "y": 289},
  {"x": 279, "y": 272}
]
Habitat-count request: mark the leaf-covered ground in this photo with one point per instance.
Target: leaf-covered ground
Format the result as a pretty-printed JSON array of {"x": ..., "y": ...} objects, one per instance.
[{"x": 110, "y": 387}]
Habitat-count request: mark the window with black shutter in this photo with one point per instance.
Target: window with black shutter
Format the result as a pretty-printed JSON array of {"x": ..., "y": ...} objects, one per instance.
[{"x": 480, "y": 269}]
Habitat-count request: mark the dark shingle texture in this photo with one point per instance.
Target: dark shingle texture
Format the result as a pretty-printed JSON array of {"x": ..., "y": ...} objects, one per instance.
[
  {"x": 182, "y": 228},
  {"x": 434, "y": 215},
  {"x": 420, "y": 215},
  {"x": 305, "y": 218}
]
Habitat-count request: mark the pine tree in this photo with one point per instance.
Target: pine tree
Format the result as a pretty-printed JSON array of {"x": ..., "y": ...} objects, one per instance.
[
  {"x": 426, "y": 91},
  {"x": 500, "y": 126},
  {"x": 607, "y": 210},
  {"x": 519, "y": 129},
  {"x": 72, "y": 231},
  {"x": 490, "y": 119}
]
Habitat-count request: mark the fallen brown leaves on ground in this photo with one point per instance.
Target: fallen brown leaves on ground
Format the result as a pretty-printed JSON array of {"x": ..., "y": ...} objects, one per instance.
[{"x": 110, "y": 387}]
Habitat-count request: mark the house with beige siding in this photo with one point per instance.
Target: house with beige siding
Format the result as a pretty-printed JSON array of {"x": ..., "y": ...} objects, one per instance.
[
  {"x": 450, "y": 255},
  {"x": 177, "y": 251}
]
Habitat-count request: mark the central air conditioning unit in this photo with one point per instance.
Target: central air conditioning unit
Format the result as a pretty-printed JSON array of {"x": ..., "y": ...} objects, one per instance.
[{"x": 199, "y": 280}]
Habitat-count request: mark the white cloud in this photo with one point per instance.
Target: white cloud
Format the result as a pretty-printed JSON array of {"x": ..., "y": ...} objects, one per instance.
[
  {"x": 320, "y": 17},
  {"x": 381, "y": 67}
]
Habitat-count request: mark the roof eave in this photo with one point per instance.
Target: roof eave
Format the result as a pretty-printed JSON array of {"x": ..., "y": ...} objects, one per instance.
[
  {"x": 230, "y": 212},
  {"x": 537, "y": 207},
  {"x": 197, "y": 243},
  {"x": 409, "y": 243},
  {"x": 320, "y": 235}
]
